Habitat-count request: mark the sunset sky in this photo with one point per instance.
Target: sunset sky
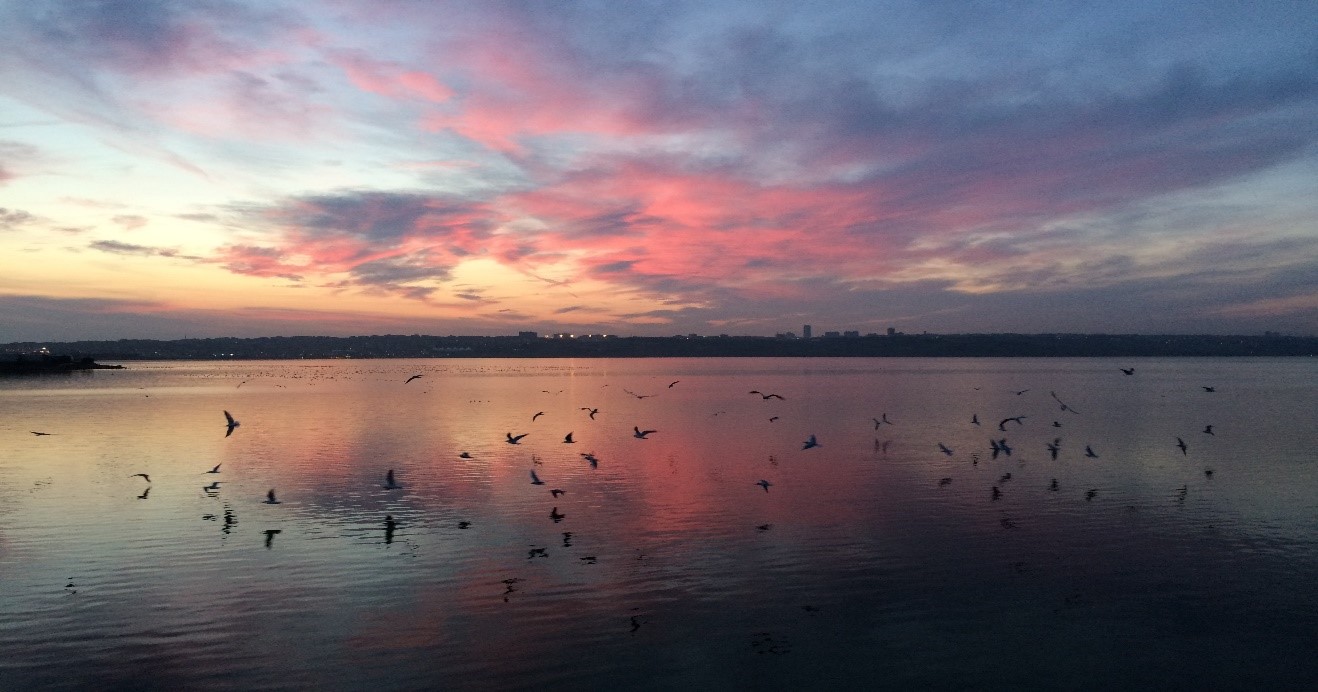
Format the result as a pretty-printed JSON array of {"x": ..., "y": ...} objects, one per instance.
[{"x": 222, "y": 167}]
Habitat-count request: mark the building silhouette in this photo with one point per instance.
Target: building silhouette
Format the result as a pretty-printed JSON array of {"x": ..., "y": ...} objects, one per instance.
[{"x": 805, "y": 332}]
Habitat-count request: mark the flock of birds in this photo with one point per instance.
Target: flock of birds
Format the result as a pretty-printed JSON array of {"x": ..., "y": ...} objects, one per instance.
[{"x": 999, "y": 446}]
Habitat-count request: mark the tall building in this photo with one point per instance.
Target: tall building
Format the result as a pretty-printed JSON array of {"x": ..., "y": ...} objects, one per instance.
[{"x": 805, "y": 332}]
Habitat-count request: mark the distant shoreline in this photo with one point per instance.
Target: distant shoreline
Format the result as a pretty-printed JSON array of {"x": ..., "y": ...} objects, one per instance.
[
  {"x": 52, "y": 365},
  {"x": 880, "y": 346}
]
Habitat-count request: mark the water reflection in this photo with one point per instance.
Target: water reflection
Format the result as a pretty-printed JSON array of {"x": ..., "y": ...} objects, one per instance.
[{"x": 716, "y": 552}]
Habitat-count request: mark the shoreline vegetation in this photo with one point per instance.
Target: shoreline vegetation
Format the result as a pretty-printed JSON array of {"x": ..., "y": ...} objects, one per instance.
[{"x": 21, "y": 357}]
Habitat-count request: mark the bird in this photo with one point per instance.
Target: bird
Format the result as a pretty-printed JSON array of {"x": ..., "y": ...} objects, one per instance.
[
  {"x": 638, "y": 396},
  {"x": 217, "y": 468},
  {"x": 270, "y": 497},
  {"x": 1181, "y": 444},
  {"x": 270, "y": 536},
  {"x": 590, "y": 456},
  {"x": 1021, "y": 391},
  {"x": 1089, "y": 452},
  {"x": 556, "y": 492},
  {"x": 144, "y": 493},
  {"x": 215, "y": 485},
  {"x": 1210, "y": 389},
  {"x": 773, "y": 418},
  {"x": 766, "y": 397},
  {"x": 537, "y": 415},
  {"x": 1002, "y": 445},
  {"x": 1062, "y": 403},
  {"x": 996, "y": 493},
  {"x": 1208, "y": 430},
  {"x": 389, "y": 483},
  {"x": 974, "y": 419},
  {"x": 640, "y": 434},
  {"x": 1020, "y": 420},
  {"x": 810, "y": 443},
  {"x": 1005, "y": 477},
  {"x": 411, "y": 378},
  {"x": 592, "y": 411},
  {"x": 1053, "y": 485},
  {"x": 670, "y": 384},
  {"x": 231, "y": 422},
  {"x": 39, "y": 434},
  {"x": 568, "y": 439},
  {"x": 944, "y": 481},
  {"x": 764, "y": 484},
  {"x": 515, "y": 440},
  {"x": 465, "y": 455},
  {"x": 943, "y": 448},
  {"x": 143, "y": 475},
  {"x": 1089, "y": 494},
  {"x": 1128, "y": 371},
  {"x": 1054, "y": 447},
  {"x": 535, "y": 480},
  {"x": 1208, "y": 473},
  {"x": 553, "y": 514}
]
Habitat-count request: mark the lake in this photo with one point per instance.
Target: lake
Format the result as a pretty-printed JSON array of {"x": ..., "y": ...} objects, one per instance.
[{"x": 871, "y": 560}]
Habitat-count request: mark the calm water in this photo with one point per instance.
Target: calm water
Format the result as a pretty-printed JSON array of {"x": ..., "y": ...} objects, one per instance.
[{"x": 664, "y": 565}]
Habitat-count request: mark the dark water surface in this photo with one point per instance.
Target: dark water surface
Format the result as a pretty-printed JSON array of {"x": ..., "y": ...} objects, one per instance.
[{"x": 665, "y": 566}]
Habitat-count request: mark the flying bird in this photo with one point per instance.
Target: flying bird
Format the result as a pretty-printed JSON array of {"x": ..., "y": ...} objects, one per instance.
[
  {"x": 943, "y": 448},
  {"x": 1089, "y": 452},
  {"x": 1208, "y": 430},
  {"x": 39, "y": 434},
  {"x": 773, "y": 418},
  {"x": 465, "y": 455},
  {"x": 217, "y": 468},
  {"x": 537, "y": 415},
  {"x": 974, "y": 419},
  {"x": 214, "y": 486},
  {"x": 810, "y": 442},
  {"x": 670, "y": 385},
  {"x": 1128, "y": 371},
  {"x": 143, "y": 475},
  {"x": 568, "y": 439},
  {"x": 592, "y": 411},
  {"x": 1054, "y": 447},
  {"x": 638, "y": 396},
  {"x": 590, "y": 456},
  {"x": 1181, "y": 444},
  {"x": 944, "y": 481},
  {"x": 535, "y": 480},
  {"x": 1062, "y": 403},
  {"x": 270, "y": 497},
  {"x": 766, "y": 397},
  {"x": 515, "y": 440},
  {"x": 411, "y": 378},
  {"x": 764, "y": 484},
  {"x": 1022, "y": 391},
  {"x": 231, "y": 422},
  {"x": 556, "y": 492},
  {"x": 1020, "y": 420},
  {"x": 640, "y": 434},
  {"x": 1210, "y": 389}
]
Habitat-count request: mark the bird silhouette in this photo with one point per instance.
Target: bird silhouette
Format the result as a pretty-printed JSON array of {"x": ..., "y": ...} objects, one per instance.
[
  {"x": 670, "y": 384},
  {"x": 1208, "y": 430},
  {"x": 592, "y": 411},
  {"x": 567, "y": 439},
  {"x": 231, "y": 422},
  {"x": 810, "y": 443},
  {"x": 270, "y": 497},
  {"x": 411, "y": 378},
  {"x": 1089, "y": 452},
  {"x": 556, "y": 492},
  {"x": 535, "y": 480},
  {"x": 1210, "y": 389},
  {"x": 1128, "y": 371},
  {"x": 764, "y": 484},
  {"x": 944, "y": 481},
  {"x": 974, "y": 419},
  {"x": 1020, "y": 420},
  {"x": 1054, "y": 447},
  {"x": 1089, "y": 494},
  {"x": 943, "y": 448},
  {"x": 640, "y": 434},
  {"x": 465, "y": 455},
  {"x": 553, "y": 514},
  {"x": 537, "y": 415},
  {"x": 1181, "y": 444},
  {"x": 40, "y": 434},
  {"x": 512, "y": 440},
  {"x": 217, "y": 468},
  {"x": 143, "y": 475}
]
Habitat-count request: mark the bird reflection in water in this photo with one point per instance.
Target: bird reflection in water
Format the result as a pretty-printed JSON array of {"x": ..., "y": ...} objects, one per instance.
[
  {"x": 389, "y": 526},
  {"x": 270, "y": 537},
  {"x": 229, "y": 520}
]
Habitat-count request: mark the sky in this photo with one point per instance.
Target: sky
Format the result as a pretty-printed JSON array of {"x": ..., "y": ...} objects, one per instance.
[{"x": 333, "y": 167}]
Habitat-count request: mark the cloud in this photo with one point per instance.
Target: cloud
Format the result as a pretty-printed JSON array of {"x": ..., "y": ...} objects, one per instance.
[{"x": 11, "y": 219}]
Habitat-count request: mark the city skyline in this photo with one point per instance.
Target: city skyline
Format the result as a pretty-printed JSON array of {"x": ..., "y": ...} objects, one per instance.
[{"x": 342, "y": 168}]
